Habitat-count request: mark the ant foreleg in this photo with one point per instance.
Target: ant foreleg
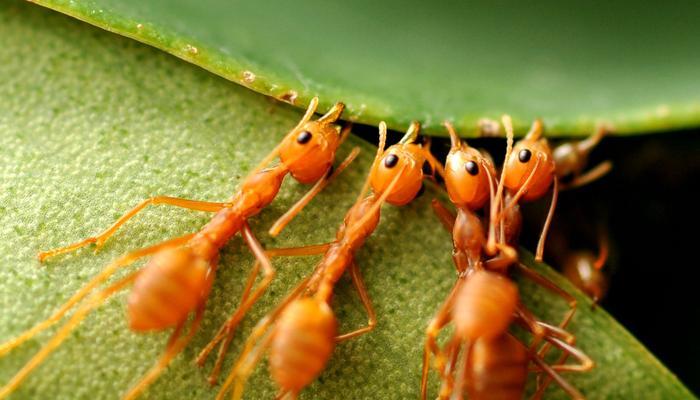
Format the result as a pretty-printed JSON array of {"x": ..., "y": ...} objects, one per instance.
[
  {"x": 102, "y": 237},
  {"x": 366, "y": 302},
  {"x": 316, "y": 189},
  {"x": 108, "y": 271}
]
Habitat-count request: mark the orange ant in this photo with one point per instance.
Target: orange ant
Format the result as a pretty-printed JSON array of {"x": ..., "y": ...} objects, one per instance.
[
  {"x": 301, "y": 332},
  {"x": 581, "y": 266},
  {"x": 483, "y": 304},
  {"x": 584, "y": 270},
  {"x": 177, "y": 279},
  {"x": 531, "y": 168}
]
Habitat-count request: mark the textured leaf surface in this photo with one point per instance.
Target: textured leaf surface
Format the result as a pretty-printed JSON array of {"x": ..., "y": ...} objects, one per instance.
[
  {"x": 91, "y": 123},
  {"x": 633, "y": 65}
]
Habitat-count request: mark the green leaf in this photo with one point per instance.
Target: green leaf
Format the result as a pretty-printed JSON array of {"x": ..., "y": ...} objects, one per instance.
[
  {"x": 634, "y": 66},
  {"x": 91, "y": 123}
]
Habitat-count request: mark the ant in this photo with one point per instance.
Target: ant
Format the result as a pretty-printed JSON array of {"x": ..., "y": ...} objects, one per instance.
[
  {"x": 580, "y": 265},
  {"x": 483, "y": 302},
  {"x": 177, "y": 279},
  {"x": 532, "y": 167},
  {"x": 301, "y": 332}
]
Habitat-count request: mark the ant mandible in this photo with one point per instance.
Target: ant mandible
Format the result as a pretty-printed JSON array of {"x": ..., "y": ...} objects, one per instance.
[
  {"x": 177, "y": 279},
  {"x": 301, "y": 332}
]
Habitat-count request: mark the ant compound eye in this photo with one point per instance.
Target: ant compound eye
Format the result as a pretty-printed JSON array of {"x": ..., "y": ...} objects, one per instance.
[
  {"x": 524, "y": 155},
  {"x": 304, "y": 137},
  {"x": 391, "y": 160},
  {"x": 472, "y": 168}
]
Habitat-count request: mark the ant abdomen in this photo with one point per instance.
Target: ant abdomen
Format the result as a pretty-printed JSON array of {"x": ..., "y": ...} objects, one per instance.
[
  {"x": 167, "y": 290},
  {"x": 496, "y": 369},
  {"x": 485, "y": 305},
  {"x": 303, "y": 341}
]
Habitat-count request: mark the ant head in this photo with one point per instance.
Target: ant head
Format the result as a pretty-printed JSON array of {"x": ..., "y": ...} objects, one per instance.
[
  {"x": 469, "y": 175},
  {"x": 308, "y": 151},
  {"x": 530, "y": 166},
  {"x": 402, "y": 163}
]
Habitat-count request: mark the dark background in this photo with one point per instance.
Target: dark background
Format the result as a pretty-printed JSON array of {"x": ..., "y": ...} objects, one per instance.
[{"x": 647, "y": 206}]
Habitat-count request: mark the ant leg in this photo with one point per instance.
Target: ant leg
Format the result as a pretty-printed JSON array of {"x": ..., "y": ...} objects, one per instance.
[
  {"x": 102, "y": 237},
  {"x": 444, "y": 215},
  {"x": 366, "y": 302},
  {"x": 589, "y": 176},
  {"x": 563, "y": 383},
  {"x": 549, "y": 285},
  {"x": 435, "y": 164},
  {"x": 548, "y": 221},
  {"x": 448, "y": 381},
  {"x": 175, "y": 345},
  {"x": 585, "y": 362},
  {"x": 316, "y": 189},
  {"x": 80, "y": 314},
  {"x": 228, "y": 328},
  {"x": 249, "y": 358},
  {"x": 526, "y": 319},
  {"x": 441, "y": 318},
  {"x": 552, "y": 287},
  {"x": 108, "y": 271},
  {"x": 246, "y": 362}
]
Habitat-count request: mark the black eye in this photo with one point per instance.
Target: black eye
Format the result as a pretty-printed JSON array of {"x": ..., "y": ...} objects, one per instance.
[
  {"x": 304, "y": 137},
  {"x": 524, "y": 155},
  {"x": 471, "y": 167},
  {"x": 391, "y": 160}
]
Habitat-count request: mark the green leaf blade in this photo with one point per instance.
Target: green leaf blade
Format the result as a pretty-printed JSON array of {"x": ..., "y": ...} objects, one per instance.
[{"x": 632, "y": 66}]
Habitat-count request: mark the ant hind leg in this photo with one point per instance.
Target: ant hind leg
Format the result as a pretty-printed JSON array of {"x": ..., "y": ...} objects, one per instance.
[
  {"x": 93, "y": 302},
  {"x": 108, "y": 271},
  {"x": 106, "y": 234}
]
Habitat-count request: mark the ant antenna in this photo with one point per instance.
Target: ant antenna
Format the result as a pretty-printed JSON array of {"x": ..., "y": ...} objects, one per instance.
[
  {"x": 508, "y": 126},
  {"x": 535, "y": 130},
  {"x": 455, "y": 141},
  {"x": 333, "y": 114},
  {"x": 411, "y": 133}
]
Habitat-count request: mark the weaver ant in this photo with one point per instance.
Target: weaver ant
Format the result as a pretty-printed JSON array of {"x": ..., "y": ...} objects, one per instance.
[
  {"x": 483, "y": 303},
  {"x": 177, "y": 279},
  {"x": 531, "y": 168},
  {"x": 301, "y": 332},
  {"x": 581, "y": 265}
]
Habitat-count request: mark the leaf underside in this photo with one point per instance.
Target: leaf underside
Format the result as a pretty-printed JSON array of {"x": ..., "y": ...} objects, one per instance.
[
  {"x": 632, "y": 66},
  {"x": 90, "y": 124}
]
